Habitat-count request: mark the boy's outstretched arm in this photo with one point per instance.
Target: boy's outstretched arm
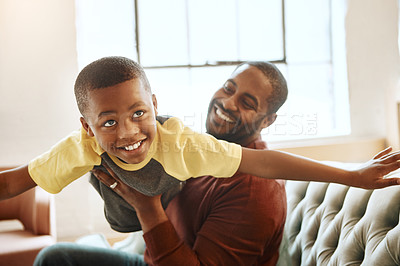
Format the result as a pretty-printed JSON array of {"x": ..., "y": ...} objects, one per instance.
[
  {"x": 281, "y": 165},
  {"x": 15, "y": 181}
]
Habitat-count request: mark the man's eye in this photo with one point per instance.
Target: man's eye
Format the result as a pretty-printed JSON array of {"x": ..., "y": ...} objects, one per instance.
[
  {"x": 248, "y": 105},
  {"x": 110, "y": 123},
  {"x": 227, "y": 89},
  {"x": 138, "y": 114}
]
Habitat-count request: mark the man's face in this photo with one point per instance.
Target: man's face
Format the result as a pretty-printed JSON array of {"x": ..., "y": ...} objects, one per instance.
[
  {"x": 238, "y": 110},
  {"x": 122, "y": 118}
]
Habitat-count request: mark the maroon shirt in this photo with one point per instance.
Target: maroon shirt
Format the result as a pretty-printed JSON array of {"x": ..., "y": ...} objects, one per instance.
[{"x": 221, "y": 221}]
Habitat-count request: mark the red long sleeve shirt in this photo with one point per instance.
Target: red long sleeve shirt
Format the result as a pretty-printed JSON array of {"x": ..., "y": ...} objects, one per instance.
[{"x": 221, "y": 221}]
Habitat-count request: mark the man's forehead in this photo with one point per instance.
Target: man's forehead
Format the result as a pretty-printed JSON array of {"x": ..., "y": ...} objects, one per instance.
[{"x": 251, "y": 78}]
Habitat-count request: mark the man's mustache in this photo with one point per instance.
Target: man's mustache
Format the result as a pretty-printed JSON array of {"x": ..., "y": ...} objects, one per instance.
[{"x": 228, "y": 112}]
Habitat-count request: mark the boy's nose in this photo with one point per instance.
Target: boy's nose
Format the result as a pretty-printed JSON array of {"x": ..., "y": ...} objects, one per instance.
[{"x": 127, "y": 129}]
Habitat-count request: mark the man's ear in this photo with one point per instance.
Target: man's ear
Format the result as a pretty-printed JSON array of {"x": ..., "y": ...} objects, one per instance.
[
  {"x": 268, "y": 120},
  {"x": 86, "y": 127},
  {"x": 153, "y": 96}
]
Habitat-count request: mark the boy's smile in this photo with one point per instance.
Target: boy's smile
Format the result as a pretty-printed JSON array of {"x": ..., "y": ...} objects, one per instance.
[{"x": 122, "y": 118}]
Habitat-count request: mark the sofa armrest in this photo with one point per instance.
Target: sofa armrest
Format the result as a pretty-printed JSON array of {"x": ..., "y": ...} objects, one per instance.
[
  {"x": 43, "y": 219},
  {"x": 33, "y": 208}
]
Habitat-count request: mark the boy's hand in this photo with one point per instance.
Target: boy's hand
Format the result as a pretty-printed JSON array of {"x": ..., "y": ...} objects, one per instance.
[{"x": 371, "y": 174}]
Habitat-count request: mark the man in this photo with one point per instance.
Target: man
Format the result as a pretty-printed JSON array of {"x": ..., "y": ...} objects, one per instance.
[{"x": 233, "y": 221}]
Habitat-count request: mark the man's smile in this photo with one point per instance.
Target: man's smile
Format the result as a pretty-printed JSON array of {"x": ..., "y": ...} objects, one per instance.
[{"x": 222, "y": 115}]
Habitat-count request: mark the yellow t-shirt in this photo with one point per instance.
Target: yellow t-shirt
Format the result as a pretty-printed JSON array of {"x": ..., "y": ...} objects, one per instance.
[{"x": 182, "y": 152}]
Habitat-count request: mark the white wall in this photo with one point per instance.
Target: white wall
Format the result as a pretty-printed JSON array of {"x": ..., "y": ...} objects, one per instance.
[
  {"x": 373, "y": 67},
  {"x": 37, "y": 71},
  {"x": 38, "y": 66}
]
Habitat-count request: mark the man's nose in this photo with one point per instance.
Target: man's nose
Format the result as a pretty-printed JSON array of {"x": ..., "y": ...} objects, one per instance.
[{"x": 229, "y": 103}]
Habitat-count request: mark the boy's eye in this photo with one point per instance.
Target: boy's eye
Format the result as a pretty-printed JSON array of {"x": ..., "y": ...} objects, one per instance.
[
  {"x": 138, "y": 114},
  {"x": 110, "y": 123}
]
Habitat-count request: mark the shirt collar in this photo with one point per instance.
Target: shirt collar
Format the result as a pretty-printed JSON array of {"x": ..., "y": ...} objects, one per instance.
[{"x": 258, "y": 144}]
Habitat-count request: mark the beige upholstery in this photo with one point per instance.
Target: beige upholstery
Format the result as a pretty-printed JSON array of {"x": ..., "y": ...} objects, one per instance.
[
  {"x": 34, "y": 209},
  {"x": 331, "y": 224}
]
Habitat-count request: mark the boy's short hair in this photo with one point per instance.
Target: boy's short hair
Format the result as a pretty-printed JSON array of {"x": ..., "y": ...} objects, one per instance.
[
  {"x": 106, "y": 72},
  {"x": 278, "y": 82}
]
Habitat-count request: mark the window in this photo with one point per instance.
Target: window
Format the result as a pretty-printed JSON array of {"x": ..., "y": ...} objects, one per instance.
[
  {"x": 208, "y": 32},
  {"x": 189, "y": 48}
]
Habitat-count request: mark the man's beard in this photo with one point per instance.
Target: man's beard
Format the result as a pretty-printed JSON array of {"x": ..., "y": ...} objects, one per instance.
[{"x": 236, "y": 134}]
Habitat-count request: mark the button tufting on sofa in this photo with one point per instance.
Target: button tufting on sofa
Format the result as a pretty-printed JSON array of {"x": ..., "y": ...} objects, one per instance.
[{"x": 332, "y": 224}]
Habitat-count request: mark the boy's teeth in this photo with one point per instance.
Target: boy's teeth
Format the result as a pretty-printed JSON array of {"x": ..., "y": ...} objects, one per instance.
[
  {"x": 223, "y": 117},
  {"x": 133, "y": 147}
]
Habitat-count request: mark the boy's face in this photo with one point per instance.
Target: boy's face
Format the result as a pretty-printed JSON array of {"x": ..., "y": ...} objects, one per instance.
[
  {"x": 122, "y": 118},
  {"x": 238, "y": 110}
]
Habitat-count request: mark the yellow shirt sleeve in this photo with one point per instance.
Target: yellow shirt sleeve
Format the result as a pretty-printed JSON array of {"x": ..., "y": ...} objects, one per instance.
[
  {"x": 68, "y": 160},
  {"x": 185, "y": 153}
]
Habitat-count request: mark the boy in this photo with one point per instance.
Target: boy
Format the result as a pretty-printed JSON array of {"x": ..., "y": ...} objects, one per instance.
[{"x": 121, "y": 130}]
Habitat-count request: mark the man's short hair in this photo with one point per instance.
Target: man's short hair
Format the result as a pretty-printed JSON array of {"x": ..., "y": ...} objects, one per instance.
[
  {"x": 278, "y": 82},
  {"x": 106, "y": 72}
]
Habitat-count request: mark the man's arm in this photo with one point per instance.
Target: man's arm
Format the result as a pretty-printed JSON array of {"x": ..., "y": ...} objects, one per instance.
[
  {"x": 281, "y": 165},
  {"x": 15, "y": 181},
  {"x": 168, "y": 250},
  {"x": 149, "y": 209}
]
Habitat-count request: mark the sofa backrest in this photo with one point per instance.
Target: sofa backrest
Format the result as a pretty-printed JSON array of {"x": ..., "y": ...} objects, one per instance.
[{"x": 332, "y": 224}]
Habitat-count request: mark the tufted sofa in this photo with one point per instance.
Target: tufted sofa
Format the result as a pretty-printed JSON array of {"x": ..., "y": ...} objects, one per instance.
[{"x": 331, "y": 224}]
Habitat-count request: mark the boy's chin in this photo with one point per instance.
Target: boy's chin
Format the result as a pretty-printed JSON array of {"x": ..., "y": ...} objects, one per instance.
[
  {"x": 128, "y": 160},
  {"x": 131, "y": 157}
]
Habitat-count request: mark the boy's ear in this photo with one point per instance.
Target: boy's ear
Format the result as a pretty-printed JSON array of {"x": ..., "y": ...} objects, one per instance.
[
  {"x": 86, "y": 127},
  {"x": 154, "y": 103},
  {"x": 268, "y": 120}
]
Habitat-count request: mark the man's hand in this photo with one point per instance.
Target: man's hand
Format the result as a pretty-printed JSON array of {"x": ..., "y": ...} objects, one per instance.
[
  {"x": 149, "y": 209},
  {"x": 371, "y": 174}
]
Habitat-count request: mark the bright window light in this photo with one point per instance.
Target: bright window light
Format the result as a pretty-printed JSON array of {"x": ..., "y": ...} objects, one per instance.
[{"x": 189, "y": 48}]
